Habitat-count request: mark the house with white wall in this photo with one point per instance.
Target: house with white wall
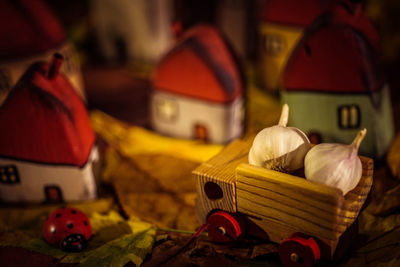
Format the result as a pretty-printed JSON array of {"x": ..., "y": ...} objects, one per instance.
[
  {"x": 47, "y": 145},
  {"x": 334, "y": 84},
  {"x": 198, "y": 89}
]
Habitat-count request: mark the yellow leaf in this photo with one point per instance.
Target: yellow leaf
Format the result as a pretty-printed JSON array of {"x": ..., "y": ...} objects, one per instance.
[{"x": 134, "y": 140}]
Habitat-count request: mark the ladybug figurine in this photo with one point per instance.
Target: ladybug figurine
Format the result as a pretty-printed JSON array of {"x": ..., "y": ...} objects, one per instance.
[{"x": 67, "y": 228}]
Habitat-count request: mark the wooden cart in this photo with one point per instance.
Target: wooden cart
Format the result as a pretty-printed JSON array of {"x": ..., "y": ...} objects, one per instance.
[{"x": 310, "y": 220}]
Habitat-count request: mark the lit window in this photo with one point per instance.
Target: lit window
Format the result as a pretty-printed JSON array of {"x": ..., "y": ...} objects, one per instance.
[
  {"x": 9, "y": 174},
  {"x": 274, "y": 44},
  {"x": 167, "y": 109},
  {"x": 349, "y": 117}
]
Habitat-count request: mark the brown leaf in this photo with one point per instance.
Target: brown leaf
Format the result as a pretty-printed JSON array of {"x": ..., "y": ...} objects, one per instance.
[
  {"x": 126, "y": 177},
  {"x": 161, "y": 209},
  {"x": 156, "y": 188},
  {"x": 197, "y": 254},
  {"x": 393, "y": 157},
  {"x": 162, "y": 254},
  {"x": 385, "y": 193},
  {"x": 264, "y": 249},
  {"x": 172, "y": 174}
]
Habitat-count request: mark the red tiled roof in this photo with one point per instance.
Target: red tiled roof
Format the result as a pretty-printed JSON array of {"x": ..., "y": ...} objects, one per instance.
[
  {"x": 200, "y": 66},
  {"x": 44, "y": 120},
  {"x": 341, "y": 56},
  {"x": 27, "y": 28}
]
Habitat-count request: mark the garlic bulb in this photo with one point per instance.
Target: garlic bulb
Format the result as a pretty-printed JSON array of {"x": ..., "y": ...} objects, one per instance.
[
  {"x": 336, "y": 165},
  {"x": 279, "y": 147}
]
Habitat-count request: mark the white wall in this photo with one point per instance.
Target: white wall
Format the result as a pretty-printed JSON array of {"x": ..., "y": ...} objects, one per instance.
[
  {"x": 223, "y": 122},
  {"x": 76, "y": 183}
]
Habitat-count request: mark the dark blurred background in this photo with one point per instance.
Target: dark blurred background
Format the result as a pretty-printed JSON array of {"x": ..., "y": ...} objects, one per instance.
[{"x": 108, "y": 79}]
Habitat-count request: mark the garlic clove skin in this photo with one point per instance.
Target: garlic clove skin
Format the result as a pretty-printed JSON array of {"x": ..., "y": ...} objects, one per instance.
[
  {"x": 279, "y": 147},
  {"x": 337, "y": 165}
]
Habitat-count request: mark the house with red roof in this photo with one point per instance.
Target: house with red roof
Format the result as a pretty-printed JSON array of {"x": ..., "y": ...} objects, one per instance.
[
  {"x": 198, "y": 90},
  {"x": 334, "y": 85},
  {"x": 47, "y": 145},
  {"x": 282, "y": 23},
  {"x": 30, "y": 32}
]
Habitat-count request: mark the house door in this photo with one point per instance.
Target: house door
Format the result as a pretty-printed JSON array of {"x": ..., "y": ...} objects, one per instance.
[
  {"x": 200, "y": 132},
  {"x": 53, "y": 194}
]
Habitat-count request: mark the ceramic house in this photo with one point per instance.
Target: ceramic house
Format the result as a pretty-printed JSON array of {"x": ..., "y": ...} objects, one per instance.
[
  {"x": 282, "y": 23},
  {"x": 47, "y": 146},
  {"x": 30, "y": 32},
  {"x": 198, "y": 89},
  {"x": 334, "y": 86},
  {"x": 139, "y": 30}
]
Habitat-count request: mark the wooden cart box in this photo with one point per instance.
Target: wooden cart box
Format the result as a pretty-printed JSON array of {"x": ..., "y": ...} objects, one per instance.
[{"x": 275, "y": 205}]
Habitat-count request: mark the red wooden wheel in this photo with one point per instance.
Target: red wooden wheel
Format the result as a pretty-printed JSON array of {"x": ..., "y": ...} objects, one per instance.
[
  {"x": 224, "y": 226},
  {"x": 298, "y": 250}
]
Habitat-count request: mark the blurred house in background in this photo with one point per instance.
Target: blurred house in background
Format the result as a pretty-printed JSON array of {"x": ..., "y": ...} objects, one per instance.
[
  {"x": 132, "y": 30},
  {"x": 47, "y": 145},
  {"x": 282, "y": 23},
  {"x": 30, "y": 32},
  {"x": 335, "y": 84},
  {"x": 198, "y": 90}
]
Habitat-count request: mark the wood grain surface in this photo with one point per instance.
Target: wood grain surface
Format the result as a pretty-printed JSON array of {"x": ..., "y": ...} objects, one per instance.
[
  {"x": 280, "y": 203},
  {"x": 221, "y": 171}
]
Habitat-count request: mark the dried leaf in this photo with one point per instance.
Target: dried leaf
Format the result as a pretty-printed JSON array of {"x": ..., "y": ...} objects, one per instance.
[
  {"x": 198, "y": 254},
  {"x": 382, "y": 247},
  {"x": 160, "y": 209},
  {"x": 172, "y": 174},
  {"x": 115, "y": 242},
  {"x": 16, "y": 237},
  {"x": 134, "y": 140},
  {"x": 393, "y": 157},
  {"x": 385, "y": 193},
  {"x": 156, "y": 188},
  {"x": 128, "y": 248},
  {"x": 264, "y": 249},
  {"x": 31, "y": 217}
]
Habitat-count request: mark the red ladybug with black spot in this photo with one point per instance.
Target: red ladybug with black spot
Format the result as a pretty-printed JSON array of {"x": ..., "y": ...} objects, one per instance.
[{"x": 67, "y": 228}]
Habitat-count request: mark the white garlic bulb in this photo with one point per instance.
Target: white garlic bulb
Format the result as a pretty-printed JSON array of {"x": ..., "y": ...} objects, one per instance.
[
  {"x": 337, "y": 165},
  {"x": 279, "y": 147}
]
